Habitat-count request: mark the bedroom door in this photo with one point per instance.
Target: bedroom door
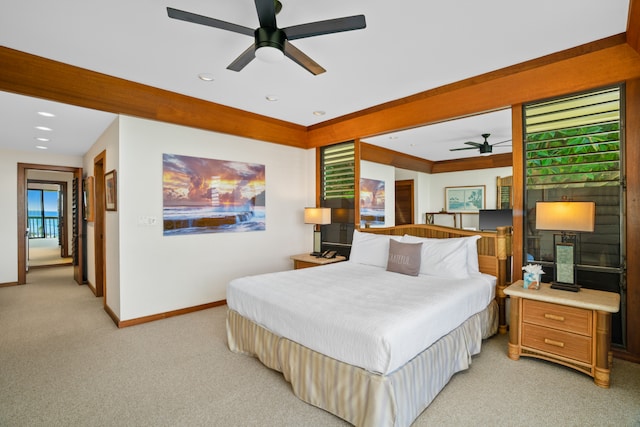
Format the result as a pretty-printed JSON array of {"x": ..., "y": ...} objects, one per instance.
[{"x": 404, "y": 202}]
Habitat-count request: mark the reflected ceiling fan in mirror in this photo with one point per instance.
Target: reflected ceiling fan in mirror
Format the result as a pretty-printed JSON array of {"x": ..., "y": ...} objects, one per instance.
[
  {"x": 270, "y": 42},
  {"x": 484, "y": 147}
]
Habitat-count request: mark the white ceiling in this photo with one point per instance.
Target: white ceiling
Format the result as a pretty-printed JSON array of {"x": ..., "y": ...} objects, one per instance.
[{"x": 408, "y": 46}]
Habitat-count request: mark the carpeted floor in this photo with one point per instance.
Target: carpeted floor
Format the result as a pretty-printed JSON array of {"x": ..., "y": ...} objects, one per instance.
[
  {"x": 64, "y": 363},
  {"x": 46, "y": 252}
]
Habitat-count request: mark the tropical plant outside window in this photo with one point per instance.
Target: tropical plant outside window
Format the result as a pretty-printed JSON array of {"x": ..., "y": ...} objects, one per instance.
[{"x": 573, "y": 151}]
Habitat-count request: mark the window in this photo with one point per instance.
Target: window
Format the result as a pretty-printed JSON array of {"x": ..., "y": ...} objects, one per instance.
[
  {"x": 573, "y": 151},
  {"x": 338, "y": 171},
  {"x": 338, "y": 193},
  {"x": 43, "y": 217}
]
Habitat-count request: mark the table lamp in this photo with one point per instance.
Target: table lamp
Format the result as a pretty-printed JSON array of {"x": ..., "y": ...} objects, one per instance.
[
  {"x": 318, "y": 217},
  {"x": 566, "y": 217}
]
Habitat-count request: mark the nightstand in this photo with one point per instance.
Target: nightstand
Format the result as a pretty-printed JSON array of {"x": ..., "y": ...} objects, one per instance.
[
  {"x": 569, "y": 328},
  {"x": 306, "y": 261}
]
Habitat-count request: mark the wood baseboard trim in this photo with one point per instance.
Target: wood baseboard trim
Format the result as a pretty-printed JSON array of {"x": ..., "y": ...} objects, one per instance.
[
  {"x": 7, "y": 284},
  {"x": 113, "y": 315},
  {"x": 159, "y": 316},
  {"x": 625, "y": 355},
  {"x": 92, "y": 287}
]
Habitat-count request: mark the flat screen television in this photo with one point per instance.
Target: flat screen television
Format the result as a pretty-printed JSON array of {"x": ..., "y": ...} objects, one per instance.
[{"x": 490, "y": 219}]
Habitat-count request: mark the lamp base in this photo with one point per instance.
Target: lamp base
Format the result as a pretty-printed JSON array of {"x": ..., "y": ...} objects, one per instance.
[{"x": 565, "y": 286}]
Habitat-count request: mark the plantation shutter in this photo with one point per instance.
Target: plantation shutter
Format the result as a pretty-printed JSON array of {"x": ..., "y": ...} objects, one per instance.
[
  {"x": 338, "y": 171},
  {"x": 574, "y": 141}
]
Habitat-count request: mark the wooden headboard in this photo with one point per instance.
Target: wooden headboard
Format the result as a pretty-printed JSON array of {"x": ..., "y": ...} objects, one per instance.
[{"x": 494, "y": 252}]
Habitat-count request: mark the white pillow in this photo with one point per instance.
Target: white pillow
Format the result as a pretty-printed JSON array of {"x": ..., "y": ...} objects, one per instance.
[
  {"x": 456, "y": 257},
  {"x": 370, "y": 249}
]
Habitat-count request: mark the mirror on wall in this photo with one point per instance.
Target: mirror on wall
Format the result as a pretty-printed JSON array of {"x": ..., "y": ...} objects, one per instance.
[{"x": 442, "y": 143}]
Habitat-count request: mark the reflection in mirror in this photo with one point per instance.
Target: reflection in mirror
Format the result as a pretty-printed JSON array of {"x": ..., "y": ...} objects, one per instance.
[
  {"x": 429, "y": 157},
  {"x": 505, "y": 192}
]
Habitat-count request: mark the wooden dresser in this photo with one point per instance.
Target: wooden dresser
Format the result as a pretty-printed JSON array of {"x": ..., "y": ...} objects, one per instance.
[{"x": 569, "y": 328}]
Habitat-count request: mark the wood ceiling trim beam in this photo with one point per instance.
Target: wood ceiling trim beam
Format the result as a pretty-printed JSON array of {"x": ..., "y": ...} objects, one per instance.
[
  {"x": 31, "y": 75},
  {"x": 479, "y": 162},
  {"x": 608, "y": 61},
  {"x": 633, "y": 25},
  {"x": 385, "y": 156}
]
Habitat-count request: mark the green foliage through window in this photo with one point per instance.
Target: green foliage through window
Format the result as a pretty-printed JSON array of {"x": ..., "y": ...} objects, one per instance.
[
  {"x": 338, "y": 171},
  {"x": 574, "y": 141}
]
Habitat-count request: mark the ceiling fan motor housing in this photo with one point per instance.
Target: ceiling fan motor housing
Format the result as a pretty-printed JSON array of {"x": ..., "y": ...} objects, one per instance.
[{"x": 270, "y": 37}]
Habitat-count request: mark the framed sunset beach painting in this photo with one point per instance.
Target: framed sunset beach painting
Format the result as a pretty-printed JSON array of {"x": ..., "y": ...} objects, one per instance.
[{"x": 211, "y": 196}]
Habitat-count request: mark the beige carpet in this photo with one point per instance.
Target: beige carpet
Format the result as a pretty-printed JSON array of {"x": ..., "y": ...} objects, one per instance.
[
  {"x": 64, "y": 363},
  {"x": 46, "y": 252}
]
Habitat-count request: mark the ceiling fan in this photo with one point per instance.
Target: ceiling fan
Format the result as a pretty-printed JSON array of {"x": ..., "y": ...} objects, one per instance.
[
  {"x": 272, "y": 43},
  {"x": 484, "y": 147}
]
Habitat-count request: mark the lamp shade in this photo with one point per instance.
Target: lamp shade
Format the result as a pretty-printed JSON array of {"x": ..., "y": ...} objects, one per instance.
[
  {"x": 317, "y": 215},
  {"x": 565, "y": 216}
]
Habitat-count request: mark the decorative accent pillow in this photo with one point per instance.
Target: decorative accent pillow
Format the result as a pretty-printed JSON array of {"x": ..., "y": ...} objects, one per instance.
[
  {"x": 370, "y": 249},
  {"x": 447, "y": 257},
  {"x": 404, "y": 258}
]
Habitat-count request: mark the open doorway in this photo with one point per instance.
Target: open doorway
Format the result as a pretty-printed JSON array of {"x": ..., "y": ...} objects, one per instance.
[
  {"x": 72, "y": 229},
  {"x": 47, "y": 228}
]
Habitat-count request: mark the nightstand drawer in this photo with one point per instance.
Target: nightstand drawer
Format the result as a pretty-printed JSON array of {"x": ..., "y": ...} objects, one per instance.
[
  {"x": 576, "y": 347},
  {"x": 557, "y": 316}
]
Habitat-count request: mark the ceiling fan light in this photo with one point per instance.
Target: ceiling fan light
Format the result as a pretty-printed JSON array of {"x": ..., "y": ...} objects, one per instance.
[
  {"x": 269, "y": 54},
  {"x": 270, "y": 44}
]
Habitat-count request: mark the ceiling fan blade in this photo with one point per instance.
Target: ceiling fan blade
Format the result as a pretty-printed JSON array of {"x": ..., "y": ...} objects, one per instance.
[
  {"x": 266, "y": 13},
  {"x": 463, "y": 148},
  {"x": 337, "y": 25},
  {"x": 502, "y": 142},
  {"x": 209, "y": 22},
  {"x": 475, "y": 144},
  {"x": 245, "y": 57},
  {"x": 297, "y": 56}
]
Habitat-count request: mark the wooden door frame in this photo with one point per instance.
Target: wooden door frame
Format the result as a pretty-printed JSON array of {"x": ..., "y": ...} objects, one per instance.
[
  {"x": 99, "y": 237},
  {"x": 22, "y": 214}
]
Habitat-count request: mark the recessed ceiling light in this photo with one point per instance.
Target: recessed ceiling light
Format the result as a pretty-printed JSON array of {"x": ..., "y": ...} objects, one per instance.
[
  {"x": 42, "y": 139},
  {"x": 393, "y": 137},
  {"x": 46, "y": 114},
  {"x": 44, "y": 128},
  {"x": 41, "y": 147},
  {"x": 206, "y": 77},
  {"x": 319, "y": 113},
  {"x": 271, "y": 98}
]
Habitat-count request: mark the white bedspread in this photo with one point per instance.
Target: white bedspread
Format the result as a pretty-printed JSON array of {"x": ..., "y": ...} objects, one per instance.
[{"x": 360, "y": 314}]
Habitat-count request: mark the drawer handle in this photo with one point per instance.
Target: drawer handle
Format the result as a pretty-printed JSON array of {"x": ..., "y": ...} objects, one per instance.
[
  {"x": 553, "y": 342},
  {"x": 554, "y": 317}
]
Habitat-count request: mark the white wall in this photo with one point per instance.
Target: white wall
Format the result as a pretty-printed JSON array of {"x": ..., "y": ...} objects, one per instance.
[
  {"x": 384, "y": 173},
  {"x": 158, "y": 274},
  {"x": 9, "y": 160}
]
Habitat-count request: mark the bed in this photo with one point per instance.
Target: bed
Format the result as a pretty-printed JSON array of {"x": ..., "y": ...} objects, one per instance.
[{"x": 374, "y": 339}]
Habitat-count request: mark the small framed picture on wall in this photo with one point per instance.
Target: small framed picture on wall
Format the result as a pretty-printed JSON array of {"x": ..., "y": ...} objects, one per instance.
[
  {"x": 110, "y": 191},
  {"x": 464, "y": 199}
]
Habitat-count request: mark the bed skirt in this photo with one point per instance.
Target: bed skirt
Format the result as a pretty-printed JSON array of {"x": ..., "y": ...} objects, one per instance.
[{"x": 358, "y": 396}]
